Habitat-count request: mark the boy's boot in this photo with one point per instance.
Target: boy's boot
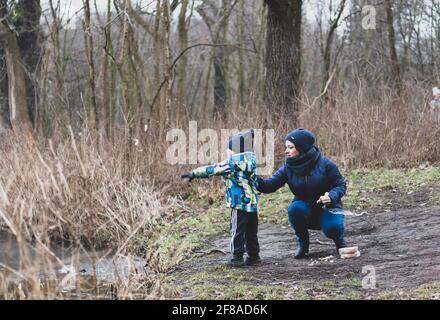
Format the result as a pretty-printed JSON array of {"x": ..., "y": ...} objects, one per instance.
[
  {"x": 303, "y": 249},
  {"x": 252, "y": 260},
  {"x": 236, "y": 261}
]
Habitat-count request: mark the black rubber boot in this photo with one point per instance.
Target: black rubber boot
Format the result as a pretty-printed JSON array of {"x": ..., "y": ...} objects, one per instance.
[
  {"x": 252, "y": 261},
  {"x": 340, "y": 244},
  {"x": 302, "y": 251},
  {"x": 236, "y": 261}
]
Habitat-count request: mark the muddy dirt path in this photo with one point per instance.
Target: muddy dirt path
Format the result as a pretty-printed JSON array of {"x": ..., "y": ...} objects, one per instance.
[{"x": 403, "y": 246}]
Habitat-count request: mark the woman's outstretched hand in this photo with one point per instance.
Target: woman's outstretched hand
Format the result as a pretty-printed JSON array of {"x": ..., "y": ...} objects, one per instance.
[
  {"x": 325, "y": 199},
  {"x": 189, "y": 175}
]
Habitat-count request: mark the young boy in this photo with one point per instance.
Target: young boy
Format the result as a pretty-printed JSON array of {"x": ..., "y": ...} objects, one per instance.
[{"x": 239, "y": 173}]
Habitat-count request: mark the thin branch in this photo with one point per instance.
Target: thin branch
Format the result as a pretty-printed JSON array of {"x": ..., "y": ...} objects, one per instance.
[
  {"x": 182, "y": 53},
  {"x": 324, "y": 91}
]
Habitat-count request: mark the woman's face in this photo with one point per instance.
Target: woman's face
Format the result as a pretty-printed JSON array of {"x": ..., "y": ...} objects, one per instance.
[{"x": 291, "y": 150}]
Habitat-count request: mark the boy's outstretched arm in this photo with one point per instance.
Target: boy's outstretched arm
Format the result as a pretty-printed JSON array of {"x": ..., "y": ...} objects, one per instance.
[{"x": 218, "y": 169}]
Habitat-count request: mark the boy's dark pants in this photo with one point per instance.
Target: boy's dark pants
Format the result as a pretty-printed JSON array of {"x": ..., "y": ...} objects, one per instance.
[{"x": 244, "y": 228}]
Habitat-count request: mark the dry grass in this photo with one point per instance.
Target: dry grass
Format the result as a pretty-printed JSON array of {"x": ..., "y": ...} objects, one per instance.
[
  {"x": 80, "y": 196},
  {"x": 370, "y": 129}
]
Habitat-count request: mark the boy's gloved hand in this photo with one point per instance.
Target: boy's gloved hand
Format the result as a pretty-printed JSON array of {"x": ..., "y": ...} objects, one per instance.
[{"x": 189, "y": 175}]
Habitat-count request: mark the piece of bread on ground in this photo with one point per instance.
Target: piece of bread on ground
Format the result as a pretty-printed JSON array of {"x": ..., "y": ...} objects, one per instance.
[
  {"x": 351, "y": 255},
  {"x": 348, "y": 250}
]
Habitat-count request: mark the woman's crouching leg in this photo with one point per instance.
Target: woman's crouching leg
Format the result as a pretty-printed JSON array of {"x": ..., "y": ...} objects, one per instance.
[
  {"x": 333, "y": 225},
  {"x": 298, "y": 214}
]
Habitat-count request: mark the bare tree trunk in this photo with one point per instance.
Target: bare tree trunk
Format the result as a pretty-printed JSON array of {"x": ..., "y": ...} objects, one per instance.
[
  {"x": 90, "y": 59},
  {"x": 4, "y": 90},
  {"x": 283, "y": 55},
  {"x": 168, "y": 72},
  {"x": 107, "y": 97},
  {"x": 406, "y": 27},
  {"x": 4, "y": 108},
  {"x": 219, "y": 84},
  {"x": 4, "y": 104},
  {"x": 217, "y": 25},
  {"x": 256, "y": 69},
  {"x": 395, "y": 68},
  {"x": 435, "y": 16},
  {"x": 52, "y": 100},
  {"x": 328, "y": 45},
  {"x": 17, "y": 93},
  {"x": 207, "y": 84},
  {"x": 156, "y": 113},
  {"x": 126, "y": 96},
  {"x": 183, "y": 43},
  {"x": 139, "y": 70},
  {"x": 241, "y": 66},
  {"x": 27, "y": 24}
]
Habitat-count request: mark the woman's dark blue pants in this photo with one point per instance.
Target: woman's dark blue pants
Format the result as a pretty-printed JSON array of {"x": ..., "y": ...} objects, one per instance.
[{"x": 303, "y": 217}]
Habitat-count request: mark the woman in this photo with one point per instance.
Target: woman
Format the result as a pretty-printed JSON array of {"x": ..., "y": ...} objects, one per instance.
[{"x": 318, "y": 187}]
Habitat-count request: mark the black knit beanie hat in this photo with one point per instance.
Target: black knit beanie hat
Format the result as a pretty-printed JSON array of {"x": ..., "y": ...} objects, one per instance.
[{"x": 302, "y": 138}]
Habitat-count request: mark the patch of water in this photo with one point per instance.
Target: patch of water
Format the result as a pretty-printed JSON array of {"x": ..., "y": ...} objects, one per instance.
[{"x": 19, "y": 260}]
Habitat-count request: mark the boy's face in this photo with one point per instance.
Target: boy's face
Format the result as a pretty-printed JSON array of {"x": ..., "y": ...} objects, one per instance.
[{"x": 437, "y": 97}]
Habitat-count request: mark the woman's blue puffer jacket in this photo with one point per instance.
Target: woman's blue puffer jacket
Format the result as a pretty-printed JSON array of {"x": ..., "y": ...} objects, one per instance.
[{"x": 323, "y": 177}]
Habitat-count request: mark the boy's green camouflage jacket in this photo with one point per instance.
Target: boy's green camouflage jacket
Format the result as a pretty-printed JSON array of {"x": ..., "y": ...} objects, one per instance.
[{"x": 239, "y": 172}]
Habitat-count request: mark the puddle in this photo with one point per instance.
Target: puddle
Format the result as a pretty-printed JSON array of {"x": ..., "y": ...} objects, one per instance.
[{"x": 96, "y": 269}]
